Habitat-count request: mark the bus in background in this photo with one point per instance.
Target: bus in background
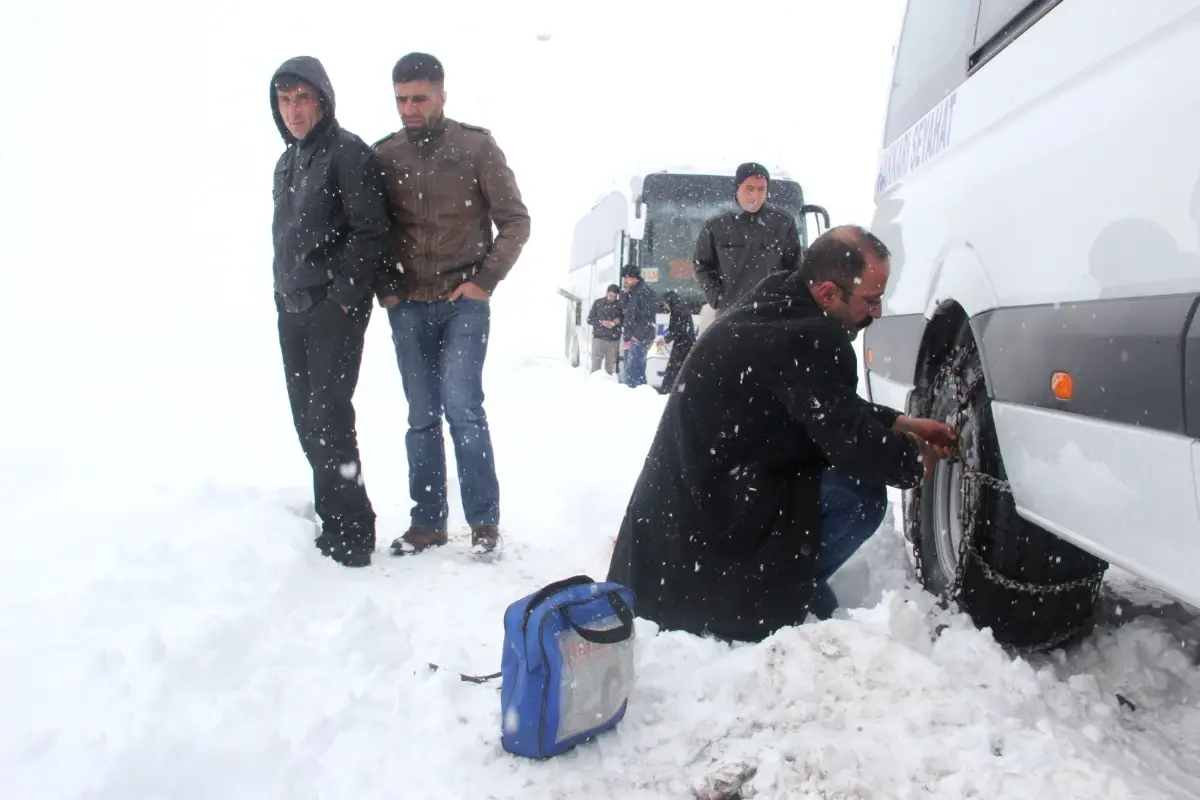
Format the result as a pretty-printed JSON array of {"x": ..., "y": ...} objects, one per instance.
[{"x": 655, "y": 224}]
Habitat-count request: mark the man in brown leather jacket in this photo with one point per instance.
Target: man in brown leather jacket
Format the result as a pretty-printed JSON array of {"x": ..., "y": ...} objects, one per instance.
[{"x": 447, "y": 183}]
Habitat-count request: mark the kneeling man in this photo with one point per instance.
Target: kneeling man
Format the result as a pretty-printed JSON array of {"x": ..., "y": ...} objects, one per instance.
[{"x": 768, "y": 471}]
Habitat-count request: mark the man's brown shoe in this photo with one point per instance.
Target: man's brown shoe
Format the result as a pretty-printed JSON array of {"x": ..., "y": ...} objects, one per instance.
[
  {"x": 484, "y": 539},
  {"x": 417, "y": 540}
]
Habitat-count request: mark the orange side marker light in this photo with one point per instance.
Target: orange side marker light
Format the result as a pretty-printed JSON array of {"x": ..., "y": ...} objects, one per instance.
[
  {"x": 1062, "y": 386},
  {"x": 868, "y": 355}
]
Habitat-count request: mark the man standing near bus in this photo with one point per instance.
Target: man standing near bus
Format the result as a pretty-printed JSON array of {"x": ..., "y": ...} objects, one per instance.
[
  {"x": 605, "y": 319},
  {"x": 447, "y": 184},
  {"x": 639, "y": 310},
  {"x": 737, "y": 249}
]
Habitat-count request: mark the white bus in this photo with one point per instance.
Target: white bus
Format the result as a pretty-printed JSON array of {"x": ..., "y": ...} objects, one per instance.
[
  {"x": 1039, "y": 188},
  {"x": 655, "y": 224}
]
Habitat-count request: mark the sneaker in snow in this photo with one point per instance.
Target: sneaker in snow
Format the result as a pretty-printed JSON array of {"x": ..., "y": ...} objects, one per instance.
[
  {"x": 417, "y": 540},
  {"x": 485, "y": 542}
]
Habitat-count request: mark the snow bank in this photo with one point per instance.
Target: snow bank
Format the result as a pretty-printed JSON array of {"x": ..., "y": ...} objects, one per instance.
[{"x": 176, "y": 635}]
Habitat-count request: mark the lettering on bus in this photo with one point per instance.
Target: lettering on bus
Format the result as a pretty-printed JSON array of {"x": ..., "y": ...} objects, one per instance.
[{"x": 924, "y": 140}]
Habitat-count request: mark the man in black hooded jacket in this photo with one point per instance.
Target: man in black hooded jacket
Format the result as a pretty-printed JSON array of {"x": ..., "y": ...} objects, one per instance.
[
  {"x": 768, "y": 470},
  {"x": 330, "y": 233}
]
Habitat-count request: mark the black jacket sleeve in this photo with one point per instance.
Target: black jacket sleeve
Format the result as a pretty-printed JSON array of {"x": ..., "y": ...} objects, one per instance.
[
  {"x": 708, "y": 268},
  {"x": 647, "y": 303},
  {"x": 846, "y": 428},
  {"x": 886, "y": 416},
  {"x": 360, "y": 182},
  {"x": 594, "y": 314}
]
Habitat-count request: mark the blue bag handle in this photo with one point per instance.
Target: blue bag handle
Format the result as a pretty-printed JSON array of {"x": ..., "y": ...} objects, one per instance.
[
  {"x": 546, "y": 591},
  {"x": 612, "y": 635}
]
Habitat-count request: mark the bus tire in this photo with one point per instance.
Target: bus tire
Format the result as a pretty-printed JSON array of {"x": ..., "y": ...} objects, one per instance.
[{"x": 1032, "y": 589}]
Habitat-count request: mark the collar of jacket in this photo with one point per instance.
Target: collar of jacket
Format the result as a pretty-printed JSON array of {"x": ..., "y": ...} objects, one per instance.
[
  {"x": 313, "y": 139},
  {"x": 430, "y": 131},
  {"x": 751, "y": 216}
]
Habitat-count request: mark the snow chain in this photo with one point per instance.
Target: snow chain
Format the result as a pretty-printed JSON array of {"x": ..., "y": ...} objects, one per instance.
[{"x": 950, "y": 371}]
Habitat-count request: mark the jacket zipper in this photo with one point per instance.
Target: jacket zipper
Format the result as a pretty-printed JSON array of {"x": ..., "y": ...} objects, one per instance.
[{"x": 426, "y": 152}]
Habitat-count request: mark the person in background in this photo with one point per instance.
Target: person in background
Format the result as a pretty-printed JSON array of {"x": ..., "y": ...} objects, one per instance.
[
  {"x": 769, "y": 470},
  {"x": 605, "y": 319},
  {"x": 639, "y": 310},
  {"x": 737, "y": 249},
  {"x": 681, "y": 335},
  {"x": 330, "y": 233},
  {"x": 448, "y": 183}
]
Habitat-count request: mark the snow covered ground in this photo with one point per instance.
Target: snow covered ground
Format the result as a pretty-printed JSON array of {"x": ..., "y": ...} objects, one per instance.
[{"x": 173, "y": 633}]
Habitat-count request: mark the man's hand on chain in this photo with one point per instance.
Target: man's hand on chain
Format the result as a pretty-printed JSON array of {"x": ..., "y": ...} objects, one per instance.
[
  {"x": 929, "y": 454},
  {"x": 936, "y": 433}
]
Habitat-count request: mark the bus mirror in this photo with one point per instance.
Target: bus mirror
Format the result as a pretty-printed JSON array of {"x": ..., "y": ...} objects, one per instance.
[
  {"x": 635, "y": 187},
  {"x": 637, "y": 220},
  {"x": 820, "y": 213}
]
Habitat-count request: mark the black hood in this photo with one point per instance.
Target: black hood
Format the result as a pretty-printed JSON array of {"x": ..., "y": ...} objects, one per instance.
[{"x": 309, "y": 70}]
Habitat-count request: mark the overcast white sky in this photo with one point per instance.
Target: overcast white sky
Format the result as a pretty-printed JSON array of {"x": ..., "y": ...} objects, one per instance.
[{"x": 139, "y": 150}]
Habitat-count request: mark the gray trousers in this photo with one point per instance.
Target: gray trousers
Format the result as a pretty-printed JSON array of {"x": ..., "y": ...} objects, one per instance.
[{"x": 604, "y": 351}]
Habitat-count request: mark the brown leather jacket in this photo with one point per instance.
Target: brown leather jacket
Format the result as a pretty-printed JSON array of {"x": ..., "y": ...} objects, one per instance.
[{"x": 445, "y": 189}]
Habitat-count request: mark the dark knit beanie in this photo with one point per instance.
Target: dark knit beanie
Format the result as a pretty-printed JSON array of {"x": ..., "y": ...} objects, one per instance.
[{"x": 750, "y": 170}]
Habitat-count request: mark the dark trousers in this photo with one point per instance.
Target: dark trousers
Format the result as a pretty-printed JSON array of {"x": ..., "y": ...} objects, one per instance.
[
  {"x": 635, "y": 363},
  {"x": 322, "y": 349},
  {"x": 679, "y": 352},
  {"x": 851, "y": 512},
  {"x": 440, "y": 349}
]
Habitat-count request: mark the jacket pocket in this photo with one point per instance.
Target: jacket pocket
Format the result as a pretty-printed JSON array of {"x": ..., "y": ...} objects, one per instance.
[{"x": 281, "y": 182}]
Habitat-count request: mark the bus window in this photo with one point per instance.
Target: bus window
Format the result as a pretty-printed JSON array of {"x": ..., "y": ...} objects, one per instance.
[
  {"x": 677, "y": 206},
  {"x": 994, "y": 15},
  {"x": 1001, "y": 22},
  {"x": 931, "y": 62}
]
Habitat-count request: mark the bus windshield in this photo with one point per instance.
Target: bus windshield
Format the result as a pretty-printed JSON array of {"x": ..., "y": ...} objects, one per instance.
[{"x": 677, "y": 206}]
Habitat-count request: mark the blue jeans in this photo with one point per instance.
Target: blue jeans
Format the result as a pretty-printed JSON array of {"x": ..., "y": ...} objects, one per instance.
[
  {"x": 635, "y": 363},
  {"x": 851, "y": 512},
  {"x": 440, "y": 347}
]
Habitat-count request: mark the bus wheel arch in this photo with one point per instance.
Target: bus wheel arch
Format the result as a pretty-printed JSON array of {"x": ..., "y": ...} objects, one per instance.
[{"x": 936, "y": 344}]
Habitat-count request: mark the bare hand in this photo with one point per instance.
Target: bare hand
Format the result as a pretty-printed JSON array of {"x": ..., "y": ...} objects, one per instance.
[
  {"x": 469, "y": 290},
  {"x": 345, "y": 310},
  {"x": 931, "y": 430},
  {"x": 930, "y": 453},
  {"x": 929, "y": 457},
  {"x": 391, "y": 301}
]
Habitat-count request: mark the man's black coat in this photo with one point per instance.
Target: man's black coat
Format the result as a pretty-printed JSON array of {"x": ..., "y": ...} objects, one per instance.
[{"x": 722, "y": 530}]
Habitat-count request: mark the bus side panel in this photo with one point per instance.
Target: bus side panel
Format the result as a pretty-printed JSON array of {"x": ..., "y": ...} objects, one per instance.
[{"x": 1067, "y": 166}]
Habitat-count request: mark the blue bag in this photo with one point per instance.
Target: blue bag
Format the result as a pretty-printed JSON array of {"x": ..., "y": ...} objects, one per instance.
[{"x": 567, "y": 668}]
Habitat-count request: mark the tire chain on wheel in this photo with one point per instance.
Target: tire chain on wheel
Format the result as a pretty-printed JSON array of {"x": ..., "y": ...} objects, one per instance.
[{"x": 950, "y": 371}]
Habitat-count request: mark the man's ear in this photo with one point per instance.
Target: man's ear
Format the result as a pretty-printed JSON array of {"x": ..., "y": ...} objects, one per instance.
[{"x": 827, "y": 294}]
